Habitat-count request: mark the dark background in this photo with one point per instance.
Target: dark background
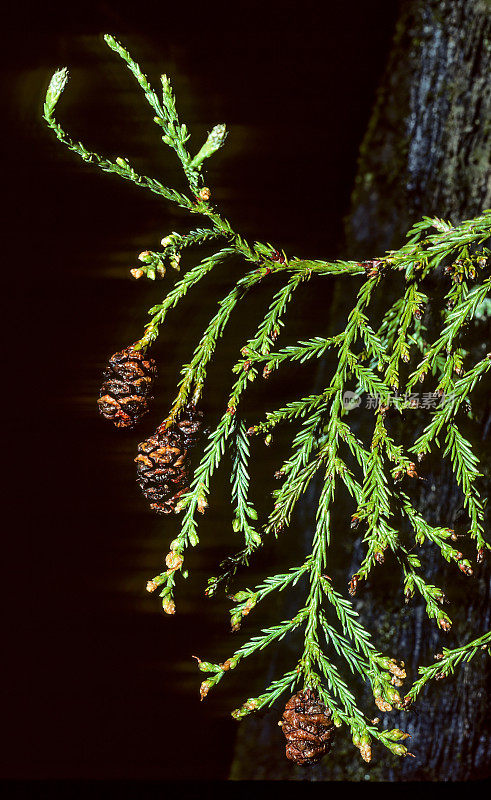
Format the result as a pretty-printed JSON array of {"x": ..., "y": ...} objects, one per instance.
[{"x": 100, "y": 684}]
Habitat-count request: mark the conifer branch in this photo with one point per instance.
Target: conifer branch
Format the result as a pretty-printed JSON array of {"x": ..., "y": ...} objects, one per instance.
[
  {"x": 385, "y": 358},
  {"x": 446, "y": 663}
]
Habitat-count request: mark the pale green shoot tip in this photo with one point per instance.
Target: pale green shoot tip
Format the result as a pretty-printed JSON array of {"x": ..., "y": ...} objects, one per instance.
[
  {"x": 55, "y": 88},
  {"x": 216, "y": 139}
]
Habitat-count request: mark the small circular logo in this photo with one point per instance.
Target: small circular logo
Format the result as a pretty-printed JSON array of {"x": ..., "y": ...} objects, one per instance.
[{"x": 351, "y": 400}]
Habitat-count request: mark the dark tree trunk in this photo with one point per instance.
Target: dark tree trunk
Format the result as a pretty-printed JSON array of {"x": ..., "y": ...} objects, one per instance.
[{"x": 426, "y": 151}]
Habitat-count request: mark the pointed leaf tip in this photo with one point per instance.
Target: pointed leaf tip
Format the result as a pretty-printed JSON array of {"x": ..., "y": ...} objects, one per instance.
[{"x": 56, "y": 86}]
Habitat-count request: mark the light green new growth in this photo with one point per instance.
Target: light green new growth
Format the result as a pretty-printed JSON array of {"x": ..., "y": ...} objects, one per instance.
[{"x": 383, "y": 360}]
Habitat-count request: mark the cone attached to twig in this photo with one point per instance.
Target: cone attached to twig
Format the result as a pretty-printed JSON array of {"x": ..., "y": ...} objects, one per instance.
[
  {"x": 164, "y": 461},
  {"x": 308, "y": 728},
  {"x": 125, "y": 393}
]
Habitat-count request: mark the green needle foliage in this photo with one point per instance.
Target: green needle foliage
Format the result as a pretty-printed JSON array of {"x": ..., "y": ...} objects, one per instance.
[{"x": 379, "y": 358}]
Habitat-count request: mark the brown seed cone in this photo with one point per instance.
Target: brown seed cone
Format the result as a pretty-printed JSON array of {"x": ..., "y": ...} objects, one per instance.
[
  {"x": 125, "y": 393},
  {"x": 308, "y": 728},
  {"x": 164, "y": 461}
]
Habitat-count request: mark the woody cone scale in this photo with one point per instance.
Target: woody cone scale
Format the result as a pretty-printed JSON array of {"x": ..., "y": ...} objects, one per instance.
[
  {"x": 125, "y": 394},
  {"x": 164, "y": 463},
  {"x": 308, "y": 728}
]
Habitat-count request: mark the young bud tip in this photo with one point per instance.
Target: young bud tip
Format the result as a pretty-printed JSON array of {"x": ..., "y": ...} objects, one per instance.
[
  {"x": 382, "y": 704},
  {"x": 173, "y": 561},
  {"x": 366, "y": 752},
  {"x": 56, "y": 86},
  {"x": 204, "y": 689},
  {"x": 169, "y": 607},
  {"x": 202, "y": 504}
]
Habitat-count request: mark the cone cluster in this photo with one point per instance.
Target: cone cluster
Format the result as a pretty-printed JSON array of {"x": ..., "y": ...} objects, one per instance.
[
  {"x": 164, "y": 463},
  {"x": 125, "y": 393},
  {"x": 308, "y": 728}
]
